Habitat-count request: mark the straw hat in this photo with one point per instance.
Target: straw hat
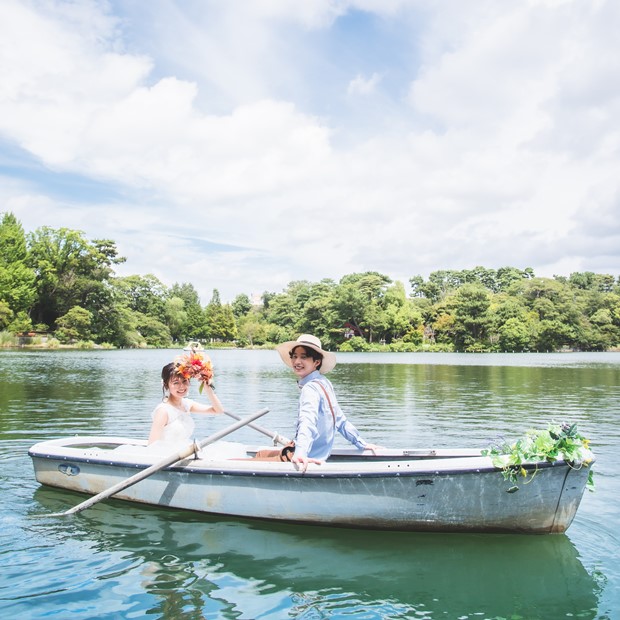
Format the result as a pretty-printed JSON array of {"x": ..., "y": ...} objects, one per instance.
[{"x": 307, "y": 340}]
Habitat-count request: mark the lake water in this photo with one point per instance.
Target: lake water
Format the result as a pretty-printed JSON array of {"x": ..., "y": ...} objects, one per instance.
[{"x": 119, "y": 560}]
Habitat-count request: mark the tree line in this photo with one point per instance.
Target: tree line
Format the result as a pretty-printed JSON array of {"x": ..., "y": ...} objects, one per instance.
[{"x": 57, "y": 282}]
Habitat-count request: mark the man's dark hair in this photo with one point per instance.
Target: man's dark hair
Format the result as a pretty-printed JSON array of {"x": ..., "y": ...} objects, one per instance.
[{"x": 310, "y": 352}]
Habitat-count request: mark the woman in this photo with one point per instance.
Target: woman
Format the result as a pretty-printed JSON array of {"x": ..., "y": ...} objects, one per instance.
[
  {"x": 173, "y": 426},
  {"x": 319, "y": 415},
  {"x": 172, "y": 422}
]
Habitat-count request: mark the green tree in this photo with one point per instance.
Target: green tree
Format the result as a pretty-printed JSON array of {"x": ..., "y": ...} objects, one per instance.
[
  {"x": 287, "y": 309},
  {"x": 75, "y": 325},
  {"x": 557, "y": 316},
  {"x": 144, "y": 294},
  {"x": 470, "y": 304},
  {"x": 480, "y": 275},
  {"x": 266, "y": 298},
  {"x": 194, "y": 327},
  {"x": 132, "y": 311},
  {"x": 227, "y": 327},
  {"x": 17, "y": 279},
  {"x": 553, "y": 334},
  {"x": 176, "y": 318},
  {"x": 443, "y": 282},
  {"x": 154, "y": 332},
  {"x": 13, "y": 246},
  {"x": 443, "y": 327},
  {"x": 70, "y": 271},
  {"x": 506, "y": 309},
  {"x": 21, "y": 324},
  {"x": 400, "y": 317},
  {"x": 358, "y": 300},
  {"x": 241, "y": 305},
  {"x": 588, "y": 280},
  {"x": 212, "y": 314},
  {"x": 253, "y": 331},
  {"x": 417, "y": 286},
  {"x": 115, "y": 322},
  {"x": 514, "y": 335},
  {"x": 283, "y": 311},
  {"x": 506, "y": 276},
  {"x": 219, "y": 320},
  {"x": 318, "y": 316},
  {"x": 6, "y": 314}
]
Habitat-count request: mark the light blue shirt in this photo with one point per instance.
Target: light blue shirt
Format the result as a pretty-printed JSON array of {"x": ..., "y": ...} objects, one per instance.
[{"x": 316, "y": 430}]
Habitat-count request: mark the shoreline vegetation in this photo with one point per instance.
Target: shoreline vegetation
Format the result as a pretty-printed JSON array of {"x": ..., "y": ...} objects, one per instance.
[
  {"x": 59, "y": 289},
  {"x": 8, "y": 341}
]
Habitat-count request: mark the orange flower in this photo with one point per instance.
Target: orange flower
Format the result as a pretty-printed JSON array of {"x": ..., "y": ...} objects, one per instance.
[{"x": 195, "y": 365}]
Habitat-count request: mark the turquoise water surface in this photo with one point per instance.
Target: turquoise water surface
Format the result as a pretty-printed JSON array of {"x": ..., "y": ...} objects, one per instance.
[{"x": 120, "y": 560}]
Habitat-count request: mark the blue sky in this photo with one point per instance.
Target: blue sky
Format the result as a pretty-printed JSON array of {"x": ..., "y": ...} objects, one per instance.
[{"x": 244, "y": 144}]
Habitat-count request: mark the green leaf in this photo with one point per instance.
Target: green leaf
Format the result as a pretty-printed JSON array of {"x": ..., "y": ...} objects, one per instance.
[{"x": 550, "y": 444}]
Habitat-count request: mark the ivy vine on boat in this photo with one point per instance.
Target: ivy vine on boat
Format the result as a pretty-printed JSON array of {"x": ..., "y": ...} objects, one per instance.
[{"x": 556, "y": 442}]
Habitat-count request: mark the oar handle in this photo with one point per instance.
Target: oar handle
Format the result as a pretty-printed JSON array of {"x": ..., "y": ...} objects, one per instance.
[
  {"x": 247, "y": 421},
  {"x": 274, "y": 435},
  {"x": 169, "y": 460}
]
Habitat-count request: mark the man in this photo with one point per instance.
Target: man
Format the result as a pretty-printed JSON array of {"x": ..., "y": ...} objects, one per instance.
[{"x": 319, "y": 415}]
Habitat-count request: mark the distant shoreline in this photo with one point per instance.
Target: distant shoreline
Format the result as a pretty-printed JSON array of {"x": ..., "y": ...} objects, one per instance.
[{"x": 270, "y": 347}]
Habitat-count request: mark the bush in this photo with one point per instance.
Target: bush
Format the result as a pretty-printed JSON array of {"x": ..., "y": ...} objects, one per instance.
[
  {"x": 7, "y": 339},
  {"x": 438, "y": 347},
  {"x": 74, "y": 325},
  {"x": 21, "y": 323},
  {"x": 355, "y": 344},
  {"x": 399, "y": 346}
]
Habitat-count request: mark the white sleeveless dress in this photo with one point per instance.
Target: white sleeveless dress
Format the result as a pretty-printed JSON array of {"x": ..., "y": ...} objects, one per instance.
[
  {"x": 178, "y": 432},
  {"x": 180, "y": 426}
]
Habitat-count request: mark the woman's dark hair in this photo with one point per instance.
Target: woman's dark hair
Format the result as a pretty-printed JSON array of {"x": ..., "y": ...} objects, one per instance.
[
  {"x": 310, "y": 352},
  {"x": 167, "y": 372}
]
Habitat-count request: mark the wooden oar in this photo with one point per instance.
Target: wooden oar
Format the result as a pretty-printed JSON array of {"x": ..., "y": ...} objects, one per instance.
[
  {"x": 170, "y": 460},
  {"x": 275, "y": 436}
]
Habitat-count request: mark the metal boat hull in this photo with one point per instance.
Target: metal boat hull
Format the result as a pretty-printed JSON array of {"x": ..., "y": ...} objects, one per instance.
[{"x": 415, "y": 490}]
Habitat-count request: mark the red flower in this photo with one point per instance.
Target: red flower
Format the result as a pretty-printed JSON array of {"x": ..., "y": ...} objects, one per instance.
[{"x": 195, "y": 365}]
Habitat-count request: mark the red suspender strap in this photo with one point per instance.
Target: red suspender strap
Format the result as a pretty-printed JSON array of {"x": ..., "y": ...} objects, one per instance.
[{"x": 328, "y": 400}]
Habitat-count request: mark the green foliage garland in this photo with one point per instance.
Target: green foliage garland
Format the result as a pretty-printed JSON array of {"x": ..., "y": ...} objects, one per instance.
[{"x": 557, "y": 441}]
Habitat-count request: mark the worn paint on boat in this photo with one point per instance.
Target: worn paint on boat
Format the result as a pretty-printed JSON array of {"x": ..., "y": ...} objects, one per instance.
[{"x": 410, "y": 490}]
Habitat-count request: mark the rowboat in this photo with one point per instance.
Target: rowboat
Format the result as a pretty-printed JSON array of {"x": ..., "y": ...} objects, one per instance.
[
  {"x": 447, "y": 490},
  {"x": 193, "y": 345}
]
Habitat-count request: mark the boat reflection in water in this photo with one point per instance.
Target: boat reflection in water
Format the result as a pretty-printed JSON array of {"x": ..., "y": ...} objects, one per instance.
[{"x": 194, "y": 566}]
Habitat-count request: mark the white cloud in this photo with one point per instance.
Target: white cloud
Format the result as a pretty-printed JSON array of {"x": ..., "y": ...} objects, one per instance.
[
  {"x": 503, "y": 140},
  {"x": 363, "y": 86}
]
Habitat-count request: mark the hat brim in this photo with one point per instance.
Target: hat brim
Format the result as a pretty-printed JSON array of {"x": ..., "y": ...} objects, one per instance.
[{"x": 284, "y": 349}]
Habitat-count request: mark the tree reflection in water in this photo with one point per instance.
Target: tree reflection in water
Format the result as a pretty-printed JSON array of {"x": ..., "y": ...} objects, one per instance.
[{"x": 198, "y": 567}]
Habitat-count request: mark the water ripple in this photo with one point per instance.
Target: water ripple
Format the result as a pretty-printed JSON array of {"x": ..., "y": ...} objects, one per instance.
[{"x": 118, "y": 560}]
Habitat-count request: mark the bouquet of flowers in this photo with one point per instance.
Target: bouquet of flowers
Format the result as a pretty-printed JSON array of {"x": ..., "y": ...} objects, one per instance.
[{"x": 196, "y": 365}]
